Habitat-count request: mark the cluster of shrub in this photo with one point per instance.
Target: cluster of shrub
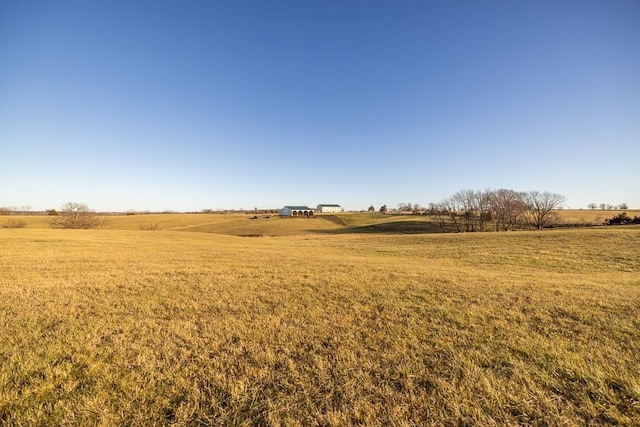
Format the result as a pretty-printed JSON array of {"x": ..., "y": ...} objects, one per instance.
[
  {"x": 12, "y": 223},
  {"x": 622, "y": 219}
]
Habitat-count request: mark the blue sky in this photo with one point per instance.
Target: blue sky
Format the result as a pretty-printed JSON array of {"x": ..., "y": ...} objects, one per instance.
[{"x": 190, "y": 105}]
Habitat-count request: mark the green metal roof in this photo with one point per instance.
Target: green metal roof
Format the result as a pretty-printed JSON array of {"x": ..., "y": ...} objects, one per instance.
[
  {"x": 330, "y": 206},
  {"x": 298, "y": 208}
]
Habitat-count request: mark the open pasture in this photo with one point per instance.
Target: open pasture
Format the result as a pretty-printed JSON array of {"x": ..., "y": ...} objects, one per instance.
[
  {"x": 128, "y": 327},
  {"x": 229, "y": 224},
  {"x": 591, "y": 216},
  {"x": 238, "y": 224}
]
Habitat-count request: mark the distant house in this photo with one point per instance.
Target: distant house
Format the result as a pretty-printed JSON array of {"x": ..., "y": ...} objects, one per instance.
[
  {"x": 329, "y": 208},
  {"x": 297, "y": 211}
]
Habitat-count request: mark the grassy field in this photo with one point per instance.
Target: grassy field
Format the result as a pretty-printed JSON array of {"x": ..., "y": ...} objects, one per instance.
[
  {"x": 595, "y": 216},
  {"x": 229, "y": 224},
  {"x": 245, "y": 224},
  {"x": 310, "y": 325}
]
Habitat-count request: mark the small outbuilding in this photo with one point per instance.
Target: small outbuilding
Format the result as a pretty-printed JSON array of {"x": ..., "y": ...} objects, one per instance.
[
  {"x": 297, "y": 212},
  {"x": 330, "y": 208}
]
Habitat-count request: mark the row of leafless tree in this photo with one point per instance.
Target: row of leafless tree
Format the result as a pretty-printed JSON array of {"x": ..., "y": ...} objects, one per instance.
[
  {"x": 499, "y": 210},
  {"x": 607, "y": 207}
]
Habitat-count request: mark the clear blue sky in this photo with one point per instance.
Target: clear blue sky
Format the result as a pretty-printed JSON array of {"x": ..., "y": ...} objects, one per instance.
[{"x": 189, "y": 105}]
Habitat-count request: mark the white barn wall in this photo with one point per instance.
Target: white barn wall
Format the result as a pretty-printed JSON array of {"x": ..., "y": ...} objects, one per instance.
[{"x": 329, "y": 208}]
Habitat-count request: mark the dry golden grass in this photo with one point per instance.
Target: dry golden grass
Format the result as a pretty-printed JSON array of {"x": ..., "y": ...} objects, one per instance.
[
  {"x": 231, "y": 224},
  {"x": 245, "y": 225},
  {"x": 135, "y": 222},
  {"x": 589, "y": 216},
  {"x": 30, "y": 221},
  {"x": 112, "y": 327}
]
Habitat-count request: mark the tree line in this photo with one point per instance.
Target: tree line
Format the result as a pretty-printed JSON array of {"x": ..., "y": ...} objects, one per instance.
[
  {"x": 607, "y": 207},
  {"x": 496, "y": 210}
]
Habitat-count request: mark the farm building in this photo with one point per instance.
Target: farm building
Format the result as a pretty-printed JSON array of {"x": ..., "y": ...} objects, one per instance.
[
  {"x": 297, "y": 211},
  {"x": 329, "y": 208}
]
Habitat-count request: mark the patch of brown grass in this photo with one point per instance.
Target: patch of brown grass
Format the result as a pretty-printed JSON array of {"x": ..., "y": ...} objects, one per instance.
[
  {"x": 130, "y": 327},
  {"x": 591, "y": 216}
]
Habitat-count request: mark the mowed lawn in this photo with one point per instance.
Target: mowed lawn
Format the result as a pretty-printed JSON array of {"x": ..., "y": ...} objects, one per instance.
[{"x": 128, "y": 327}]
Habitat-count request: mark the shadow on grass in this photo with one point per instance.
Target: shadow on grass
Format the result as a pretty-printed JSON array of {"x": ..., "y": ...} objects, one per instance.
[{"x": 394, "y": 227}]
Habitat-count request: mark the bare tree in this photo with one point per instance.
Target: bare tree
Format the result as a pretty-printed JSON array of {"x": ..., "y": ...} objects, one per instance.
[
  {"x": 475, "y": 208},
  {"x": 541, "y": 207},
  {"x": 592, "y": 206},
  {"x": 483, "y": 207},
  {"x": 76, "y": 215},
  {"x": 439, "y": 213},
  {"x": 462, "y": 204},
  {"x": 405, "y": 207},
  {"x": 451, "y": 210},
  {"x": 509, "y": 208}
]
